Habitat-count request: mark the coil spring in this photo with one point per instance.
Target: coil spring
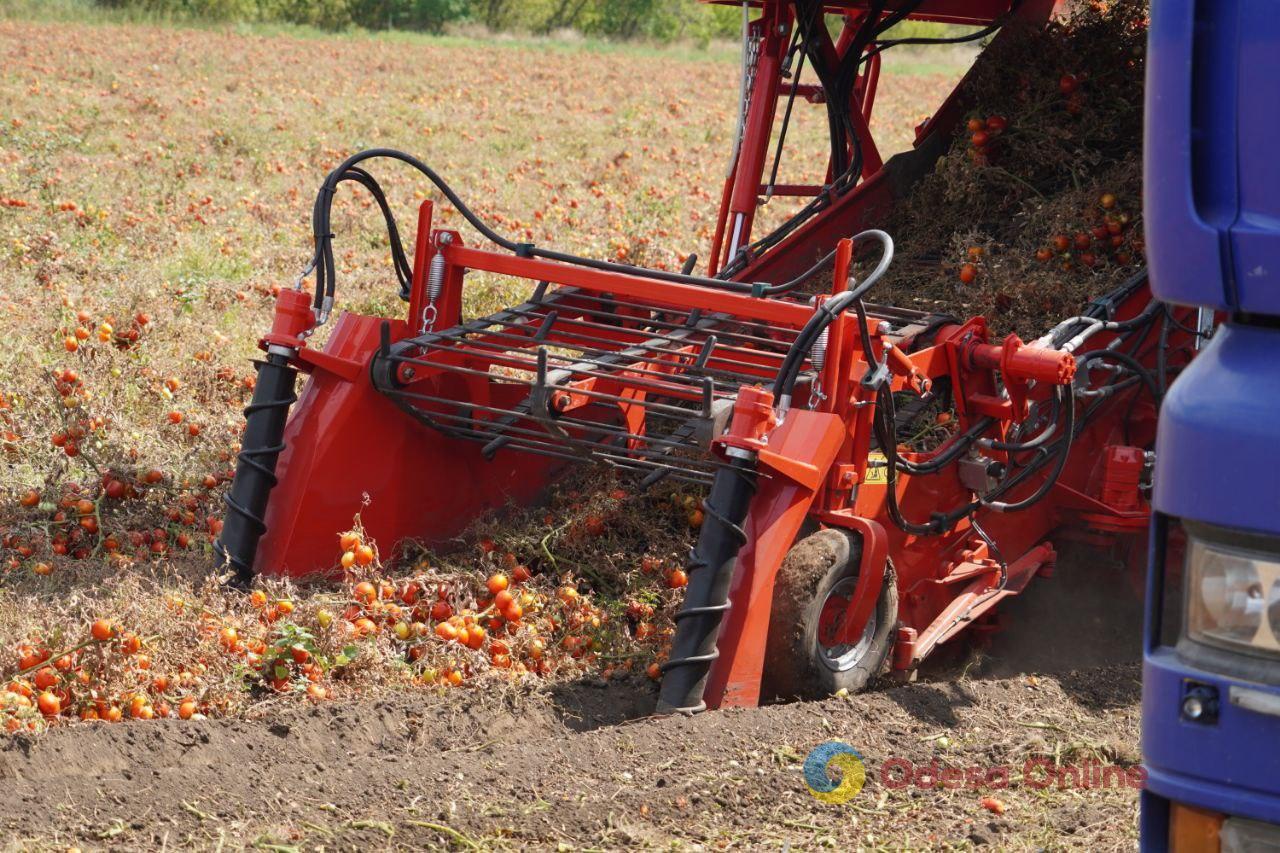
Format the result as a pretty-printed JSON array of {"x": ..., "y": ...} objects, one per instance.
[
  {"x": 697, "y": 561},
  {"x": 818, "y": 352},
  {"x": 435, "y": 284},
  {"x": 435, "y": 277}
]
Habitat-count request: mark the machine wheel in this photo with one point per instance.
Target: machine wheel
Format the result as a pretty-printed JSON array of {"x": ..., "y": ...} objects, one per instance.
[{"x": 814, "y": 584}]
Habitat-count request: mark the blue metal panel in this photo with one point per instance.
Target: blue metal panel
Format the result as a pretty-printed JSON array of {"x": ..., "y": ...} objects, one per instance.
[
  {"x": 1212, "y": 177},
  {"x": 1232, "y": 767},
  {"x": 1218, "y": 452},
  {"x": 1255, "y": 237},
  {"x": 1189, "y": 150},
  {"x": 1212, "y": 205}
]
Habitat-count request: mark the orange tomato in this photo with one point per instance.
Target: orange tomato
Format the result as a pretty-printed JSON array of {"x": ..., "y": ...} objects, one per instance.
[
  {"x": 102, "y": 630},
  {"x": 49, "y": 704},
  {"x": 45, "y": 678},
  {"x": 365, "y": 592}
]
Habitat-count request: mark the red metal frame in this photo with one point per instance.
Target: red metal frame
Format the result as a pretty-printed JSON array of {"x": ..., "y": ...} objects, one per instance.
[
  {"x": 973, "y": 12},
  {"x": 744, "y": 191},
  {"x": 352, "y": 449}
]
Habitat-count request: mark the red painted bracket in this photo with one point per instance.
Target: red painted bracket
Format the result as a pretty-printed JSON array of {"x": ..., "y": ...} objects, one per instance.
[
  {"x": 794, "y": 466},
  {"x": 875, "y": 553}
]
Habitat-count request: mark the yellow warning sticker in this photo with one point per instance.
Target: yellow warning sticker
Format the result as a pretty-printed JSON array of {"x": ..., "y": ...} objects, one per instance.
[{"x": 877, "y": 470}]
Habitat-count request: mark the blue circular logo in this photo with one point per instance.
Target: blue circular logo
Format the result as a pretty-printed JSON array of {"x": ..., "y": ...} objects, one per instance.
[{"x": 834, "y": 772}]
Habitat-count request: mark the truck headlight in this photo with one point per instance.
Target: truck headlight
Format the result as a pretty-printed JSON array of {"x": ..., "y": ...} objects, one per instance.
[{"x": 1233, "y": 597}]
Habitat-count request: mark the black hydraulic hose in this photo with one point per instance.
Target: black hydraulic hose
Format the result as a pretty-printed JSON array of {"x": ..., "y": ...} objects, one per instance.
[
  {"x": 706, "y": 600},
  {"x": 941, "y": 522},
  {"x": 261, "y": 446},
  {"x": 1143, "y": 318},
  {"x": 1044, "y": 435},
  {"x": 827, "y": 313},
  {"x": 888, "y": 444},
  {"x": 791, "y": 101},
  {"x": 837, "y": 86},
  {"x": 886, "y": 258},
  {"x": 974, "y": 36},
  {"x": 1068, "y": 438},
  {"x": 809, "y": 17},
  {"x": 1128, "y": 361},
  {"x": 945, "y": 457},
  {"x": 788, "y": 286},
  {"x": 322, "y": 261},
  {"x": 404, "y": 272},
  {"x": 1173, "y": 321},
  {"x": 1060, "y": 449}
]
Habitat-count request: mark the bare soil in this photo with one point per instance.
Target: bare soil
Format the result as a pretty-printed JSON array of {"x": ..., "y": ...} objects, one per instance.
[{"x": 582, "y": 765}]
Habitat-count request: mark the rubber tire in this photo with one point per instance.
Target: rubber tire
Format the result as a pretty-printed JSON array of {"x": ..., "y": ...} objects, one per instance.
[{"x": 814, "y": 565}]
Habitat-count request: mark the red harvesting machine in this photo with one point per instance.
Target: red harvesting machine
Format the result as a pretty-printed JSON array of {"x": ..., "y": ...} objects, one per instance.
[{"x": 794, "y": 408}]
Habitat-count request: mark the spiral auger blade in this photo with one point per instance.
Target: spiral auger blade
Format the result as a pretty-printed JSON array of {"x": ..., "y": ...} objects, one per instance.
[
  {"x": 261, "y": 446},
  {"x": 706, "y": 601}
]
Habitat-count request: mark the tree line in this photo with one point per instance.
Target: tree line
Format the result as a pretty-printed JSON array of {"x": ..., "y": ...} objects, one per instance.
[{"x": 659, "y": 20}]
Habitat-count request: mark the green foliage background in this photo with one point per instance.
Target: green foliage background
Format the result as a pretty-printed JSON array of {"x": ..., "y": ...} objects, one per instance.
[{"x": 660, "y": 20}]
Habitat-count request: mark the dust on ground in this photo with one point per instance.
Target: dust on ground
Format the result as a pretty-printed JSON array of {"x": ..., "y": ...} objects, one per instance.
[
  {"x": 583, "y": 765},
  {"x": 411, "y": 771}
]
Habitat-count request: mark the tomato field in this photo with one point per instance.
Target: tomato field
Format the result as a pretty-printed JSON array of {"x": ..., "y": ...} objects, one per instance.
[{"x": 155, "y": 193}]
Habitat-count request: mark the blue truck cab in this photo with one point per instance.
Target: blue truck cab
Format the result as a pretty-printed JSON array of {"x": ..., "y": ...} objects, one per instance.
[{"x": 1211, "y": 664}]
